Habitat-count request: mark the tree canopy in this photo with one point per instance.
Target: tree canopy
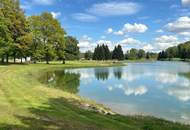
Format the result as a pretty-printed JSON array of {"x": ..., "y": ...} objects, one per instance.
[
  {"x": 39, "y": 37},
  {"x": 181, "y": 51}
]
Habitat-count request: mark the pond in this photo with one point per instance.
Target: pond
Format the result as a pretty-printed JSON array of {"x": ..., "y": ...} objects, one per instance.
[{"x": 159, "y": 89}]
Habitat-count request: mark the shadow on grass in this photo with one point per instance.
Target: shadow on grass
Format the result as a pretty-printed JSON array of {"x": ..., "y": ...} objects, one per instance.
[{"x": 59, "y": 114}]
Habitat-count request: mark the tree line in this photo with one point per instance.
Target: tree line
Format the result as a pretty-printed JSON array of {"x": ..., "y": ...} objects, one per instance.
[
  {"x": 135, "y": 54},
  {"x": 39, "y": 37},
  {"x": 102, "y": 52},
  {"x": 181, "y": 51}
]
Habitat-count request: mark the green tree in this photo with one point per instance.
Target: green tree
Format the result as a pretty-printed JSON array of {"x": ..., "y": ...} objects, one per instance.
[
  {"x": 16, "y": 23},
  {"x": 5, "y": 37},
  {"x": 47, "y": 37},
  {"x": 71, "y": 48},
  {"x": 118, "y": 53},
  {"x": 88, "y": 55},
  {"x": 141, "y": 54}
]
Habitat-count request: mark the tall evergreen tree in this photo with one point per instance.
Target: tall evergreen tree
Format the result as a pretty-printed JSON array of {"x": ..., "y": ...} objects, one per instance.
[{"x": 118, "y": 53}]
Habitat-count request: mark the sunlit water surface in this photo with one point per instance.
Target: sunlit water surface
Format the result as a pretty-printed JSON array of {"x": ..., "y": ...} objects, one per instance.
[{"x": 160, "y": 89}]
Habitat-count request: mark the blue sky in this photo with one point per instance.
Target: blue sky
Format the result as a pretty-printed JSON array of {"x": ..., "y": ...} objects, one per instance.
[{"x": 152, "y": 25}]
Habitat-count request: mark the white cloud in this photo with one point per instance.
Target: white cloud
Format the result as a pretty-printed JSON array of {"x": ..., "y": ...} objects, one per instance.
[
  {"x": 85, "y": 43},
  {"x": 185, "y": 2},
  {"x": 148, "y": 47},
  {"x": 187, "y": 34},
  {"x": 119, "y": 33},
  {"x": 84, "y": 17},
  {"x": 129, "y": 41},
  {"x": 115, "y": 8},
  {"x": 109, "y": 31},
  {"x": 165, "y": 41},
  {"x": 56, "y": 14},
  {"x": 107, "y": 42},
  {"x": 182, "y": 24},
  {"x": 135, "y": 28},
  {"x": 131, "y": 28},
  {"x": 159, "y": 31}
]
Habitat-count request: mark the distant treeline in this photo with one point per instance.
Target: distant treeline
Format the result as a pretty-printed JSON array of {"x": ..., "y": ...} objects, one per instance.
[
  {"x": 135, "y": 54},
  {"x": 39, "y": 37},
  {"x": 102, "y": 52},
  {"x": 181, "y": 51}
]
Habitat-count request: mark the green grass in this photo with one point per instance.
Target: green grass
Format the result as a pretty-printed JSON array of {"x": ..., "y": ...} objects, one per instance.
[{"x": 26, "y": 104}]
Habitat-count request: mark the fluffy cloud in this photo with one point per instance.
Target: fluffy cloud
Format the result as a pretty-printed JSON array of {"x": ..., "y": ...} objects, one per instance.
[
  {"x": 85, "y": 43},
  {"x": 115, "y": 8},
  {"x": 165, "y": 41},
  {"x": 109, "y": 31},
  {"x": 56, "y": 14},
  {"x": 182, "y": 24},
  {"x": 119, "y": 33},
  {"x": 130, "y": 28},
  {"x": 148, "y": 47},
  {"x": 84, "y": 17},
  {"x": 185, "y": 2},
  {"x": 129, "y": 41},
  {"x": 135, "y": 28},
  {"x": 159, "y": 31}
]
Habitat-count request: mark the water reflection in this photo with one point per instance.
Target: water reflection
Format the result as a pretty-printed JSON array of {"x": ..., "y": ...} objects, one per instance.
[
  {"x": 160, "y": 89},
  {"x": 118, "y": 72},
  {"x": 66, "y": 81},
  {"x": 101, "y": 73}
]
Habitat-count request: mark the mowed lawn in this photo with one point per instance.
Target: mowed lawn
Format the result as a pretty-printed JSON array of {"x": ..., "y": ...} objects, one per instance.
[{"x": 26, "y": 104}]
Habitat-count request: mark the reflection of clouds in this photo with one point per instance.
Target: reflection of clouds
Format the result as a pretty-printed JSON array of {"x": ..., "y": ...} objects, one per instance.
[
  {"x": 130, "y": 76},
  {"x": 136, "y": 91},
  {"x": 166, "y": 78},
  {"x": 182, "y": 93},
  {"x": 110, "y": 88},
  {"x": 186, "y": 83}
]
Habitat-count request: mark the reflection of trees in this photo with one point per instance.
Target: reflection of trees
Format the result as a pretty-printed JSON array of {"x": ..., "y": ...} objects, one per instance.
[
  {"x": 118, "y": 73},
  {"x": 63, "y": 80},
  {"x": 187, "y": 75},
  {"x": 101, "y": 73}
]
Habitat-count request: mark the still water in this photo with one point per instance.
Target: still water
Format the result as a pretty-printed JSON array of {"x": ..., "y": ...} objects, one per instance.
[{"x": 160, "y": 89}]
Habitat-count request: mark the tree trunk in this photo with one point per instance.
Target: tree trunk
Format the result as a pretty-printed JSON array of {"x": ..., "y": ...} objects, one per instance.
[
  {"x": 25, "y": 59},
  {"x": 63, "y": 61},
  {"x": 47, "y": 59},
  {"x": 7, "y": 58},
  {"x": 14, "y": 59},
  {"x": 21, "y": 60},
  {"x": 2, "y": 60}
]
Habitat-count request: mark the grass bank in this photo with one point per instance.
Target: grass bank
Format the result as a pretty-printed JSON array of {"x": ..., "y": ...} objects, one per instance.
[{"x": 26, "y": 104}]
